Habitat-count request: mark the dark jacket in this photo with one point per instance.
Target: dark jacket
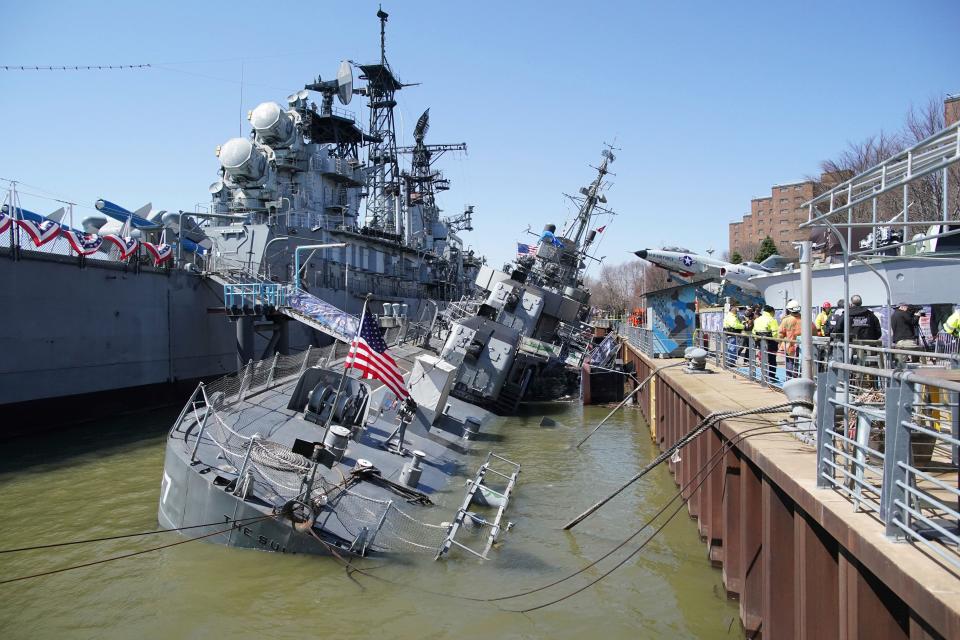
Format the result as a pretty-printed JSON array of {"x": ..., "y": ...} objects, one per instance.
[
  {"x": 904, "y": 326},
  {"x": 864, "y": 325}
]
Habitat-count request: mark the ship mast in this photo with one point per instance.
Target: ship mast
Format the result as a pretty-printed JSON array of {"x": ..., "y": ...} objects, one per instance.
[
  {"x": 591, "y": 197},
  {"x": 423, "y": 181},
  {"x": 383, "y": 203}
]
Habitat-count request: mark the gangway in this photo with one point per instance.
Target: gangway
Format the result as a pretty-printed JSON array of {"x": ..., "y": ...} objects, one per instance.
[{"x": 248, "y": 294}]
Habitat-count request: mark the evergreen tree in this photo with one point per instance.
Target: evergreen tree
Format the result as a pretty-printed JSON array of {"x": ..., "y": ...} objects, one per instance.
[
  {"x": 767, "y": 248},
  {"x": 736, "y": 258}
]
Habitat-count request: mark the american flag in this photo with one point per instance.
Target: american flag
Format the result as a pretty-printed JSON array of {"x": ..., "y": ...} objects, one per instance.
[
  {"x": 526, "y": 250},
  {"x": 368, "y": 354}
]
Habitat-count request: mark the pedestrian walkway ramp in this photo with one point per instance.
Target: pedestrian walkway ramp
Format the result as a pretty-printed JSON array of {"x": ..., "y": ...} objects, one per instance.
[
  {"x": 246, "y": 293},
  {"x": 322, "y": 316}
]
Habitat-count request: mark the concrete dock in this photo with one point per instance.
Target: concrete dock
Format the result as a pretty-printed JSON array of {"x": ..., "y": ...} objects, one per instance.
[{"x": 802, "y": 562}]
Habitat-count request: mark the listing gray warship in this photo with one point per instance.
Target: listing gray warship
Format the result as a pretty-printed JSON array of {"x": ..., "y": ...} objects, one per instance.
[
  {"x": 295, "y": 455},
  {"x": 138, "y": 304}
]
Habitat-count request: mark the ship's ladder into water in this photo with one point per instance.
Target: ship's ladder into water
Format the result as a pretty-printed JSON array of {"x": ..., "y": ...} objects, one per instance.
[{"x": 483, "y": 495}]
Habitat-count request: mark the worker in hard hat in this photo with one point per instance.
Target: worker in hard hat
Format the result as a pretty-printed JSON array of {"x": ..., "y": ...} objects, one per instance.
[
  {"x": 790, "y": 330},
  {"x": 732, "y": 325},
  {"x": 765, "y": 326},
  {"x": 823, "y": 318}
]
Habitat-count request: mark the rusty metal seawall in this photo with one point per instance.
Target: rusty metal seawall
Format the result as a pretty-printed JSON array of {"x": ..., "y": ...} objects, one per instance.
[{"x": 801, "y": 562}]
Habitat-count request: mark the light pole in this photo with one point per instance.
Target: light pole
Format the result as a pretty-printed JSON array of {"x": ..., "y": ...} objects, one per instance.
[{"x": 296, "y": 257}]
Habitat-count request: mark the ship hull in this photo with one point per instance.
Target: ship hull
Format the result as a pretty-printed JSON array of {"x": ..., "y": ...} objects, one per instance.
[
  {"x": 188, "y": 499},
  {"x": 104, "y": 338}
]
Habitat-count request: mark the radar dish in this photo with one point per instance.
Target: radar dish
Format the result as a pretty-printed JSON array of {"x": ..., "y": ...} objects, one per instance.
[
  {"x": 606, "y": 153},
  {"x": 303, "y": 94},
  {"x": 292, "y": 98},
  {"x": 345, "y": 82},
  {"x": 216, "y": 187}
]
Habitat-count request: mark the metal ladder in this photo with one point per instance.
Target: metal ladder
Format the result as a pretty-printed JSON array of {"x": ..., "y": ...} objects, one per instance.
[{"x": 473, "y": 487}]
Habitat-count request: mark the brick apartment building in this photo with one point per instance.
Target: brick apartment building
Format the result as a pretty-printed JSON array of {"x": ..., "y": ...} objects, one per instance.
[{"x": 778, "y": 216}]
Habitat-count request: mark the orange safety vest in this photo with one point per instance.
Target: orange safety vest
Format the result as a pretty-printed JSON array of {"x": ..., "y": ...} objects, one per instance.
[{"x": 790, "y": 328}]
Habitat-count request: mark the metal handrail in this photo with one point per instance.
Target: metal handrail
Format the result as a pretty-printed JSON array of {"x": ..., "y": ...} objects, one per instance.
[{"x": 919, "y": 417}]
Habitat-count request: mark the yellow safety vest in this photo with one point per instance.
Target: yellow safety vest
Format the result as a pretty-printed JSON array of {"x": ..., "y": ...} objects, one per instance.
[
  {"x": 821, "y": 321},
  {"x": 731, "y": 322},
  {"x": 765, "y": 324},
  {"x": 952, "y": 325}
]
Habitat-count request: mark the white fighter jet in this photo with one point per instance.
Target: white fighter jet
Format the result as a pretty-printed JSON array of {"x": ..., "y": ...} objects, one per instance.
[{"x": 693, "y": 267}]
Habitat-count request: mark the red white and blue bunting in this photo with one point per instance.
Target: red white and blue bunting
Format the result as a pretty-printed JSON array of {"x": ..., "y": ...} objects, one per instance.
[
  {"x": 83, "y": 243},
  {"x": 161, "y": 252},
  {"x": 41, "y": 232},
  {"x": 45, "y": 231},
  {"x": 127, "y": 246}
]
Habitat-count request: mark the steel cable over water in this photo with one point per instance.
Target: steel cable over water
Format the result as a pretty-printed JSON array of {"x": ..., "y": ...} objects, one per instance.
[
  {"x": 704, "y": 424},
  {"x": 628, "y": 396},
  {"x": 233, "y": 526},
  {"x": 767, "y": 429},
  {"x": 121, "y": 536},
  {"x": 704, "y": 470}
]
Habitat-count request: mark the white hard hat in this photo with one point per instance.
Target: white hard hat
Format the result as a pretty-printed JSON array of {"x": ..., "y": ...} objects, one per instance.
[{"x": 793, "y": 306}]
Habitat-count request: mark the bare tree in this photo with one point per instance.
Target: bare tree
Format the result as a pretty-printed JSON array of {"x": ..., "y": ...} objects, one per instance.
[
  {"x": 926, "y": 193},
  {"x": 924, "y": 196},
  {"x": 855, "y": 159},
  {"x": 620, "y": 288}
]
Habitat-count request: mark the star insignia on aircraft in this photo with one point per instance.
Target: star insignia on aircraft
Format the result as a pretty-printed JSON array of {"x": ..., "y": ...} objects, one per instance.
[{"x": 687, "y": 261}]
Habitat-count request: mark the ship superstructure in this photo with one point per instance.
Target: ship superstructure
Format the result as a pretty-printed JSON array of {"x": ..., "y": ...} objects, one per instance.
[
  {"x": 147, "y": 289},
  {"x": 524, "y": 333},
  {"x": 301, "y": 176}
]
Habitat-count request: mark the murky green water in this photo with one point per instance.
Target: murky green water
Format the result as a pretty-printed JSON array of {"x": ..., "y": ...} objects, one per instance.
[{"x": 104, "y": 479}]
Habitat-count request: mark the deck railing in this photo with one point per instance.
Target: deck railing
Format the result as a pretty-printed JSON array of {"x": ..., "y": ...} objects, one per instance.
[{"x": 895, "y": 452}]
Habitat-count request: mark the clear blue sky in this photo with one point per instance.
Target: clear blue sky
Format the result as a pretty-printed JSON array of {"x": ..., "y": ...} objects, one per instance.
[{"x": 711, "y": 102}]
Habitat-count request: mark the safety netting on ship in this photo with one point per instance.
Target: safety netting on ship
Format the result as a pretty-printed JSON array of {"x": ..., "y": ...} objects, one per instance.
[{"x": 274, "y": 472}]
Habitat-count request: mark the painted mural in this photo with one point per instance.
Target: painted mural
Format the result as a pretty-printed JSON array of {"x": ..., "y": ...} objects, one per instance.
[{"x": 672, "y": 319}]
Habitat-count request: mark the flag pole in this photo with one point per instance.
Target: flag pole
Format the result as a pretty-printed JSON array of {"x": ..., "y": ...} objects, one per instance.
[{"x": 336, "y": 399}]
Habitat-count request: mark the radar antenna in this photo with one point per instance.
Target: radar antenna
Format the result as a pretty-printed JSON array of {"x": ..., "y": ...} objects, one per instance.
[
  {"x": 423, "y": 181},
  {"x": 341, "y": 87}
]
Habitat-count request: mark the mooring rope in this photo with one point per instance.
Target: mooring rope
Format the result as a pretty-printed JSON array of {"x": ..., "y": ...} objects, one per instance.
[
  {"x": 765, "y": 429},
  {"x": 704, "y": 424},
  {"x": 234, "y": 525},
  {"x": 628, "y": 396},
  {"x": 120, "y": 536},
  {"x": 706, "y": 475}
]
